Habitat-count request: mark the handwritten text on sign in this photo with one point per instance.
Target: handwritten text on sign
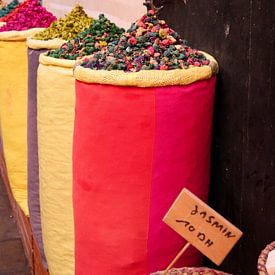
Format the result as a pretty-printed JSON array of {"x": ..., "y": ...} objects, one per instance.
[{"x": 202, "y": 226}]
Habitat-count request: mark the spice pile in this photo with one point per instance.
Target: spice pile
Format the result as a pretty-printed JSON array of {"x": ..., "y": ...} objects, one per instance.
[
  {"x": 12, "y": 14},
  {"x": 7, "y": 9},
  {"x": 96, "y": 37},
  {"x": 67, "y": 28},
  {"x": 29, "y": 14},
  {"x": 149, "y": 44}
]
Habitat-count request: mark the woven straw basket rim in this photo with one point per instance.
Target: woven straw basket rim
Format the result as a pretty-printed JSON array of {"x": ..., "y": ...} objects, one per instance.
[
  {"x": 191, "y": 271},
  {"x": 263, "y": 258}
]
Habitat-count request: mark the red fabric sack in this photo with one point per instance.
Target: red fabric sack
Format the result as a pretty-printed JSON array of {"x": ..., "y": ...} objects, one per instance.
[{"x": 134, "y": 150}]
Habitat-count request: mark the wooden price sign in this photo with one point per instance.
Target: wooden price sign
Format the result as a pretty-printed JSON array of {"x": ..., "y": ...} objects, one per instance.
[{"x": 202, "y": 227}]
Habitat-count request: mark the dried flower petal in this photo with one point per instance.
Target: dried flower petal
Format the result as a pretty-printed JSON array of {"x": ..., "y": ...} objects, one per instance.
[{"x": 29, "y": 14}]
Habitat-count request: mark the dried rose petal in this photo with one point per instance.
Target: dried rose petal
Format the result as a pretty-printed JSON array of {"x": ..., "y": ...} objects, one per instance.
[{"x": 29, "y": 14}]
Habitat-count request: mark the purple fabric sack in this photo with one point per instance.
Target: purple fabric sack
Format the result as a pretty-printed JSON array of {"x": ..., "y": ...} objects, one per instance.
[{"x": 33, "y": 170}]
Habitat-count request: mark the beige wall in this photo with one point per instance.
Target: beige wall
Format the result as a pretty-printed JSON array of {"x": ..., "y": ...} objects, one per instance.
[{"x": 122, "y": 12}]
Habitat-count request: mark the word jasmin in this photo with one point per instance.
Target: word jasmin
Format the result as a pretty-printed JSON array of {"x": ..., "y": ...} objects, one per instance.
[
  {"x": 209, "y": 219},
  {"x": 213, "y": 222}
]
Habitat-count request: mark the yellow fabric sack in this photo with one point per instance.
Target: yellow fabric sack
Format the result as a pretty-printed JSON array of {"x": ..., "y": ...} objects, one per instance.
[
  {"x": 13, "y": 110},
  {"x": 55, "y": 119}
]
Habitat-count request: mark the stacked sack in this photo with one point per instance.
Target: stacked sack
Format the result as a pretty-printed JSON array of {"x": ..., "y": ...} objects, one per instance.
[
  {"x": 27, "y": 19},
  {"x": 52, "y": 37},
  {"x": 55, "y": 104},
  {"x": 142, "y": 133}
]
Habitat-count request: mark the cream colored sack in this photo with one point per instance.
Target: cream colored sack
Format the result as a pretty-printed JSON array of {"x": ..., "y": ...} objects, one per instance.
[
  {"x": 55, "y": 118},
  {"x": 45, "y": 44},
  {"x": 19, "y": 35},
  {"x": 13, "y": 110}
]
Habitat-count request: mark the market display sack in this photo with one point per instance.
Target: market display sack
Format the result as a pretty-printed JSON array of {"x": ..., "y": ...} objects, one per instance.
[
  {"x": 55, "y": 116},
  {"x": 32, "y": 148},
  {"x": 142, "y": 133},
  {"x": 28, "y": 18},
  {"x": 13, "y": 109},
  {"x": 55, "y": 106},
  {"x": 48, "y": 39}
]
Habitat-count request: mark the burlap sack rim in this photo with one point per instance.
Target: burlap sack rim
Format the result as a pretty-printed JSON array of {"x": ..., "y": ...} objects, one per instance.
[
  {"x": 148, "y": 78},
  {"x": 48, "y": 60},
  {"x": 45, "y": 44},
  {"x": 191, "y": 271},
  {"x": 19, "y": 35}
]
